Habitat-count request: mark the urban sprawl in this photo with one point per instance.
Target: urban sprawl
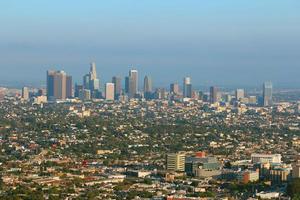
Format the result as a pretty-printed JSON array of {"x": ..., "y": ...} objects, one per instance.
[{"x": 80, "y": 141}]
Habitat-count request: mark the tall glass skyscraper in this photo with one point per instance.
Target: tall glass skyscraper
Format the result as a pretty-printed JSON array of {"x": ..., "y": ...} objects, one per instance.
[
  {"x": 147, "y": 87},
  {"x": 58, "y": 85},
  {"x": 187, "y": 87},
  {"x": 267, "y": 94},
  {"x": 147, "y": 84},
  {"x": 132, "y": 83},
  {"x": 214, "y": 94},
  {"x": 118, "y": 86}
]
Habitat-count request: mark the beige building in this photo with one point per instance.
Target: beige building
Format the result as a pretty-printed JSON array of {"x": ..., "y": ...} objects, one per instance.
[
  {"x": 176, "y": 162},
  {"x": 109, "y": 91},
  {"x": 40, "y": 99}
]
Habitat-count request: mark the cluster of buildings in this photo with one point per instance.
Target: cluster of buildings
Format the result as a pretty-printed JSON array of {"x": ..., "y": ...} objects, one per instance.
[
  {"x": 197, "y": 165},
  {"x": 264, "y": 167},
  {"x": 60, "y": 88}
]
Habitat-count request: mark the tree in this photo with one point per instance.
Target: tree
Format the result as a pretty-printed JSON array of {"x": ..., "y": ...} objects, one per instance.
[
  {"x": 227, "y": 165},
  {"x": 293, "y": 188}
]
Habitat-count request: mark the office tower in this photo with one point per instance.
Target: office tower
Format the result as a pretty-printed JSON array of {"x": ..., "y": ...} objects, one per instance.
[
  {"x": 174, "y": 88},
  {"x": 25, "y": 93},
  {"x": 131, "y": 87},
  {"x": 176, "y": 162},
  {"x": 187, "y": 87},
  {"x": 267, "y": 94},
  {"x": 56, "y": 85},
  {"x": 109, "y": 91},
  {"x": 69, "y": 87},
  {"x": 78, "y": 89},
  {"x": 127, "y": 84},
  {"x": 239, "y": 94},
  {"x": 85, "y": 94},
  {"x": 214, "y": 97},
  {"x": 94, "y": 81},
  {"x": 94, "y": 84},
  {"x": 90, "y": 80},
  {"x": 93, "y": 72},
  {"x": 134, "y": 74},
  {"x": 86, "y": 81},
  {"x": 118, "y": 86},
  {"x": 147, "y": 84},
  {"x": 189, "y": 91},
  {"x": 133, "y": 82},
  {"x": 147, "y": 87}
]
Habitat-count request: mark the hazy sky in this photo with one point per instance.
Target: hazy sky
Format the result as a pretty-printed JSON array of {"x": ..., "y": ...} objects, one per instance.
[{"x": 219, "y": 42}]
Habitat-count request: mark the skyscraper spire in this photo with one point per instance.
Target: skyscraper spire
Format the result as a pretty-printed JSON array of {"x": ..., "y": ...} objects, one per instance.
[{"x": 93, "y": 72}]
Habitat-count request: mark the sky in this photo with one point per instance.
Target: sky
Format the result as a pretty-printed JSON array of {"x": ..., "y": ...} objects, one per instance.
[{"x": 216, "y": 42}]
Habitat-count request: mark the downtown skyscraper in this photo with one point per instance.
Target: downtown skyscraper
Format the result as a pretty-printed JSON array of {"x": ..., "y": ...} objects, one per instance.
[
  {"x": 94, "y": 83},
  {"x": 267, "y": 94},
  {"x": 174, "y": 88},
  {"x": 59, "y": 85},
  {"x": 187, "y": 87},
  {"x": 109, "y": 91},
  {"x": 91, "y": 81},
  {"x": 131, "y": 83},
  {"x": 147, "y": 87},
  {"x": 147, "y": 84},
  {"x": 116, "y": 80},
  {"x": 214, "y": 96}
]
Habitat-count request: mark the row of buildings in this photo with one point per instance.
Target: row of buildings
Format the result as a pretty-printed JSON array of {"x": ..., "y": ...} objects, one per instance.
[{"x": 264, "y": 167}]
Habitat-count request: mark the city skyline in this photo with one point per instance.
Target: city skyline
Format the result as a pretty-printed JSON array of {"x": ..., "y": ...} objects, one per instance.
[
  {"x": 150, "y": 99},
  {"x": 91, "y": 81},
  {"x": 60, "y": 87}
]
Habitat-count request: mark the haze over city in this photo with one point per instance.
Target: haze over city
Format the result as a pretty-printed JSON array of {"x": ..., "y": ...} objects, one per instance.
[
  {"x": 215, "y": 42},
  {"x": 150, "y": 100}
]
